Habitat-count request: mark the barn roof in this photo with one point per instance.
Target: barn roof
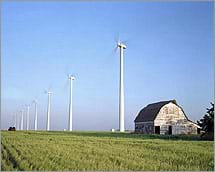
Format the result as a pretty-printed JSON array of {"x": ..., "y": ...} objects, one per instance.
[{"x": 150, "y": 112}]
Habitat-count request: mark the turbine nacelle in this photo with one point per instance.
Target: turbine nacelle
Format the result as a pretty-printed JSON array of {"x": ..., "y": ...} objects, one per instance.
[
  {"x": 71, "y": 77},
  {"x": 48, "y": 92},
  {"x": 34, "y": 101},
  {"x": 121, "y": 45}
]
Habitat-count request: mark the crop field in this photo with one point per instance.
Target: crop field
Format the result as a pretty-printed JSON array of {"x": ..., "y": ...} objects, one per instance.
[{"x": 58, "y": 150}]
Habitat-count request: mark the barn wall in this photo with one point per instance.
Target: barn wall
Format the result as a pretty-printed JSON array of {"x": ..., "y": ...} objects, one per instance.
[
  {"x": 144, "y": 127},
  {"x": 172, "y": 115}
]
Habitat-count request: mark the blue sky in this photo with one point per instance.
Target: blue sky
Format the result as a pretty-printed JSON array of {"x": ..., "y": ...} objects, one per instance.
[{"x": 169, "y": 55}]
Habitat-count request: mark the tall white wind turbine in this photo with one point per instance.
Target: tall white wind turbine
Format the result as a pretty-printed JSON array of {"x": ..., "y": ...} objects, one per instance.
[
  {"x": 14, "y": 116},
  {"x": 22, "y": 119},
  {"x": 35, "y": 119},
  {"x": 17, "y": 121},
  {"x": 71, "y": 78},
  {"x": 121, "y": 46},
  {"x": 48, "y": 110},
  {"x": 28, "y": 111}
]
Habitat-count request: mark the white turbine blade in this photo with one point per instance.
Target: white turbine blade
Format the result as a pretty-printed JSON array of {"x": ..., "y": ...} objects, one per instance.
[
  {"x": 66, "y": 70},
  {"x": 115, "y": 49},
  {"x": 65, "y": 85},
  {"x": 125, "y": 41},
  {"x": 50, "y": 87},
  {"x": 116, "y": 38}
]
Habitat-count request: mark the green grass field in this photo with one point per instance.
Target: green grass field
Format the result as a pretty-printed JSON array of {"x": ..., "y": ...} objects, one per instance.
[{"x": 103, "y": 151}]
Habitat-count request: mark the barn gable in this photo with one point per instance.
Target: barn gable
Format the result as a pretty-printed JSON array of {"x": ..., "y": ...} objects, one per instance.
[{"x": 170, "y": 112}]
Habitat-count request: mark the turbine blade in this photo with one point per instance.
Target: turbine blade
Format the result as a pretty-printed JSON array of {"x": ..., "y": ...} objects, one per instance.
[
  {"x": 50, "y": 87},
  {"x": 116, "y": 38},
  {"x": 65, "y": 86},
  {"x": 125, "y": 42},
  {"x": 115, "y": 49},
  {"x": 66, "y": 70}
]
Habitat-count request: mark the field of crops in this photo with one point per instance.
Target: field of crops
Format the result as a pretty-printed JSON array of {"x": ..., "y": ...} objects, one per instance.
[{"x": 103, "y": 151}]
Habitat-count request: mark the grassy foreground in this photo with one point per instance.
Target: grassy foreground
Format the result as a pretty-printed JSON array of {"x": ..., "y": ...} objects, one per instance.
[{"x": 21, "y": 150}]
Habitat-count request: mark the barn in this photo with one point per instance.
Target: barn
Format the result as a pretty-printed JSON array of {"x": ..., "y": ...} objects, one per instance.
[{"x": 165, "y": 117}]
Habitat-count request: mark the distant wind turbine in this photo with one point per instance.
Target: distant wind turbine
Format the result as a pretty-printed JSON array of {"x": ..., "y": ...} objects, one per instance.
[
  {"x": 17, "y": 121},
  {"x": 22, "y": 120},
  {"x": 14, "y": 116},
  {"x": 71, "y": 78},
  {"x": 28, "y": 111},
  {"x": 35, "y": 119},
  {"x": 121, "y": 46},
  {"x": 48, "y": 110}
]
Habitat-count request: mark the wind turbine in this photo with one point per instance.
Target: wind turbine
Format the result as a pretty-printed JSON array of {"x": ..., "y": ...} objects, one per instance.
[
  {"x": 71, "y": 78},
  {"x": 35, "y": 120},
  {"x": 17, "y": 121},
  {"x": 121, "y": 46},
  {"x": 28, "y": 110},
  {"x": 48, "y": 110},
  {"x": 14, "y": 116},
  {"x": 22, "y": 111}
]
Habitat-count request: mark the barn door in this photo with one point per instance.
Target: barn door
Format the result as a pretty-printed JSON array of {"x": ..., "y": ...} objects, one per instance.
[
  {"x": 170, "y": 130},
  {"x": 157, "y": 129}
]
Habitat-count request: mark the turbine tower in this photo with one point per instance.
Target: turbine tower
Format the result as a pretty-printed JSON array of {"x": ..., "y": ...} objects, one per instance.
[
  {"x": 121, "y": 46},
  {"x": 28, "y": 108},
  {"x": 71, "y": 78},
  {"x": 17, "y": 121},
  {"x": 35, "y": 120},
  {"x": 14, "y": 120},
  {"x": 22, "y": 121},
  {"x": 48, "y": 111}
]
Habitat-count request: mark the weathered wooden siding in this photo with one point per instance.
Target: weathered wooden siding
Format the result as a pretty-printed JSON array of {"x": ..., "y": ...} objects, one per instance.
[
  {"x": 172, "y": 115},
  {"x": 144, "y": 127}
]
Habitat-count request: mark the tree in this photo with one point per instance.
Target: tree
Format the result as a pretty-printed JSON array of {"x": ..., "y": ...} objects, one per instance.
[{"x": 207, "y": 123}]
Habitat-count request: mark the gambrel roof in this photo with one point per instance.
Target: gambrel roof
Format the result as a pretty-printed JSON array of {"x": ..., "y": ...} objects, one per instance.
[{"x": 150, "y": 112}]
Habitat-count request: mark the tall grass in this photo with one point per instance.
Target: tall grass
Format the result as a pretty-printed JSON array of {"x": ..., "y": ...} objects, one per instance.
[{"x": 103, "y": 151}]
